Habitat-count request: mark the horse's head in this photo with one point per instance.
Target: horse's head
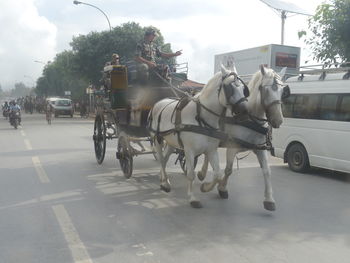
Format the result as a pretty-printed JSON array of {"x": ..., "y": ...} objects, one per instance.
[
  {"x": 233, "y": 92},
  {"x": 272, "y": 92}
]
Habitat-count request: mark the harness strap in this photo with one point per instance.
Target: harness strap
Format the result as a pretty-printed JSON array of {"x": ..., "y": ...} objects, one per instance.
[
  {"x": 195, "y": 129},
  {"x": 214, "y": 133},
  {"x": 178, "y": 109},
  {"x": 248, "y": 124},
  {"x": 248, "y": 145},
  {"x": 196, "y": 100}
]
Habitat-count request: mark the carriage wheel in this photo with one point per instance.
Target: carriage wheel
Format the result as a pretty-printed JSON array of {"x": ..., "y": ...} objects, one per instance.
[
  {"x": 182, "y": 161},
  {"x": 125, "y": 156},
  {"x": 99, "y": 138}
]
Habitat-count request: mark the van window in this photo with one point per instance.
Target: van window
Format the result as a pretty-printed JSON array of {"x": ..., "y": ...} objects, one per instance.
[
  {"x": 310, "y": 107},
  {"x": 287, "y": 106},
  {"x": 298, "y": 106},
  {"x": 328, "y": 107},
  {"x": 63, "y": 103},
  {"x": 306, "y": 106},
  {"x": 344, "y": 109}
]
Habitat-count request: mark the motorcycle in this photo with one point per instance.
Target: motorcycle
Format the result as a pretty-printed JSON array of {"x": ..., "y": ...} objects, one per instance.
[
  {"x": 15, "y": 118},
  {"x": 5, "y": 113}
]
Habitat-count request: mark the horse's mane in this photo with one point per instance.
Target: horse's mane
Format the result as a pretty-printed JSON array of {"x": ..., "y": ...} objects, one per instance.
[{"x": 212, "y": 83}]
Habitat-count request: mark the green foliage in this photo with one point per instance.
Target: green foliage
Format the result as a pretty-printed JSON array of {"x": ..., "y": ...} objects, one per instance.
[
  {"x": 330, "y": 29},
  {"x": 74, "y": 70},
  {"x": 95, "y": 49},
  {"x": 61, "y": 75}
]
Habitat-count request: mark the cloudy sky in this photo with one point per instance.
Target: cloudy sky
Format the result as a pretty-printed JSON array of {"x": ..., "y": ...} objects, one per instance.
[{"x": 35, "y": 30}]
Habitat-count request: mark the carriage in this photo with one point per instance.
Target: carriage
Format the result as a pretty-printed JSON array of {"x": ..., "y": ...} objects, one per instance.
[
  {"x": 138, "y": 113},
  {"x": 123, "y": 108}
]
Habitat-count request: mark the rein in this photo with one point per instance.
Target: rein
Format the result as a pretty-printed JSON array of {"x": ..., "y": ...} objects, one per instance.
[{"x": 174, "y": 89}]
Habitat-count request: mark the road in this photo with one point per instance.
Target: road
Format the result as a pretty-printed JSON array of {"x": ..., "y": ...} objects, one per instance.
[{"x": 58, "y": 205}]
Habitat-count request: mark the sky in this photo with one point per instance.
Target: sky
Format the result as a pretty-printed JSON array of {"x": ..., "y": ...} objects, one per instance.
[{"x": 36, "y": 30}]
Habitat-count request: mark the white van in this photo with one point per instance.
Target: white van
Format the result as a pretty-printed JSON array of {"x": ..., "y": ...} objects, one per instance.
[
  {"x": 62, "y": 106},
  {"x": 316, "y": 128}
]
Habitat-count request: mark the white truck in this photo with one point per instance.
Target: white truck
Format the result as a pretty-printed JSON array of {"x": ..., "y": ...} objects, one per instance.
[{"x": 274, "y": 56}]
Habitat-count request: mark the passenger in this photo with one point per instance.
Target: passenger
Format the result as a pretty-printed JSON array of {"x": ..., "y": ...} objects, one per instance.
[
  {"x": 146, "y": 53},
  {"x": 114, "y": 61}
]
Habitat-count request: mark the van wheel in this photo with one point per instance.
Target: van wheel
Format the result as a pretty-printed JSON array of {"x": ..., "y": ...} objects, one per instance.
[{"x": 298, "y": 160}]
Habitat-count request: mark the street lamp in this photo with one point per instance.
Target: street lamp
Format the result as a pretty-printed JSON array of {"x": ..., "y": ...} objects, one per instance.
[
  {"x": 78, "y": 3},
  {"x": 38, "y": 61}
]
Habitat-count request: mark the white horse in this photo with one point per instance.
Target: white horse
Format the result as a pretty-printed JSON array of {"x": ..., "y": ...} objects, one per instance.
[
  {"x": 197, "y": 132},
  {"x": 264, "y": 106}
]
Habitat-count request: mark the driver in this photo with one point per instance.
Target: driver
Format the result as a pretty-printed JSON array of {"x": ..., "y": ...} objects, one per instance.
[
  {"x": 146, "y": 53},
  {"x": 15, "y": 107}
]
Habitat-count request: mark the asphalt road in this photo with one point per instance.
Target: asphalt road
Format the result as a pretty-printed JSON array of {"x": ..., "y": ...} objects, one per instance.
[{"x": 58, "y": 205}]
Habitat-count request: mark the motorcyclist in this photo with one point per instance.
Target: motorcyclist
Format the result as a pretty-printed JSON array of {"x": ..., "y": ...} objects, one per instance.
[
  {"x": 5, "y": 109},
  {"x": 14, "y": 107}
]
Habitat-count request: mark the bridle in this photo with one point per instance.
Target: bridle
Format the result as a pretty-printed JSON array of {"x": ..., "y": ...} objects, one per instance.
[
  {"x": 228, "y": 90},
  {"x": 274, "y": 86}
]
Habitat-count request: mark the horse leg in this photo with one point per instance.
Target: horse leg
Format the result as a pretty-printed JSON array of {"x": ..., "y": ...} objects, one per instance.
[
  {"x": 189, "y": 155},
  {"x": 213, "y": 157},
  {"x": 203, "y": 172},
  {"x": 222, "y": 186},
  {"x": 269, "y": 202},
  {"x": 168, "y": 151},
  {"x": 164, "y": 180}
]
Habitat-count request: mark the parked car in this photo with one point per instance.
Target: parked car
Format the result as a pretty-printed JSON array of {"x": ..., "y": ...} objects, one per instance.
[{"x": 61, "y": 106}]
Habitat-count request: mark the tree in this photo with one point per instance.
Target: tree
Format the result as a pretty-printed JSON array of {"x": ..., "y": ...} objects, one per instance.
[
  {"x": 330, "y": 29},
  {"x": 60, "y": 76},
  {"x": 92, "y": 51}
]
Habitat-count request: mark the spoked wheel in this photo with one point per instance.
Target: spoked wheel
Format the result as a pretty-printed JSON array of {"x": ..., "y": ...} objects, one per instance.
[
  {"x": 181, "y": 158},
  {"x": 99, "y": 138},
  {"x": 124, "y": 155}
]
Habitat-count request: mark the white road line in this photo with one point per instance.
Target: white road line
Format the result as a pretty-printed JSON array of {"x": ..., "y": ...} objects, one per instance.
[
  {"x": 28, "y": 144},
  {"x": 76, "y": 246},
  {"x": 40, "y": 170},
  {"x": 23, "y": 133}
]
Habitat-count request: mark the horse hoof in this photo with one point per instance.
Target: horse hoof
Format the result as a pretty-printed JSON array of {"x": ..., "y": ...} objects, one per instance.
[
  {"x": 165, "y": 188},
  {"x": 270, "y": 206},
  {"x": 223, "y": 194},
  {"x": 200, "y": 176},
  {"x": 196, "y": 204}
]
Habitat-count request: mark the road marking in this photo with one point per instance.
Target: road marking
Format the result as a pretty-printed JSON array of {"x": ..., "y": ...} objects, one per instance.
[
  {"x": 76, "y": 246},
  {"x": 23, "y": 133},
  {"x": 28, "y": 144},
  {"x": 40, "y": 170}
]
